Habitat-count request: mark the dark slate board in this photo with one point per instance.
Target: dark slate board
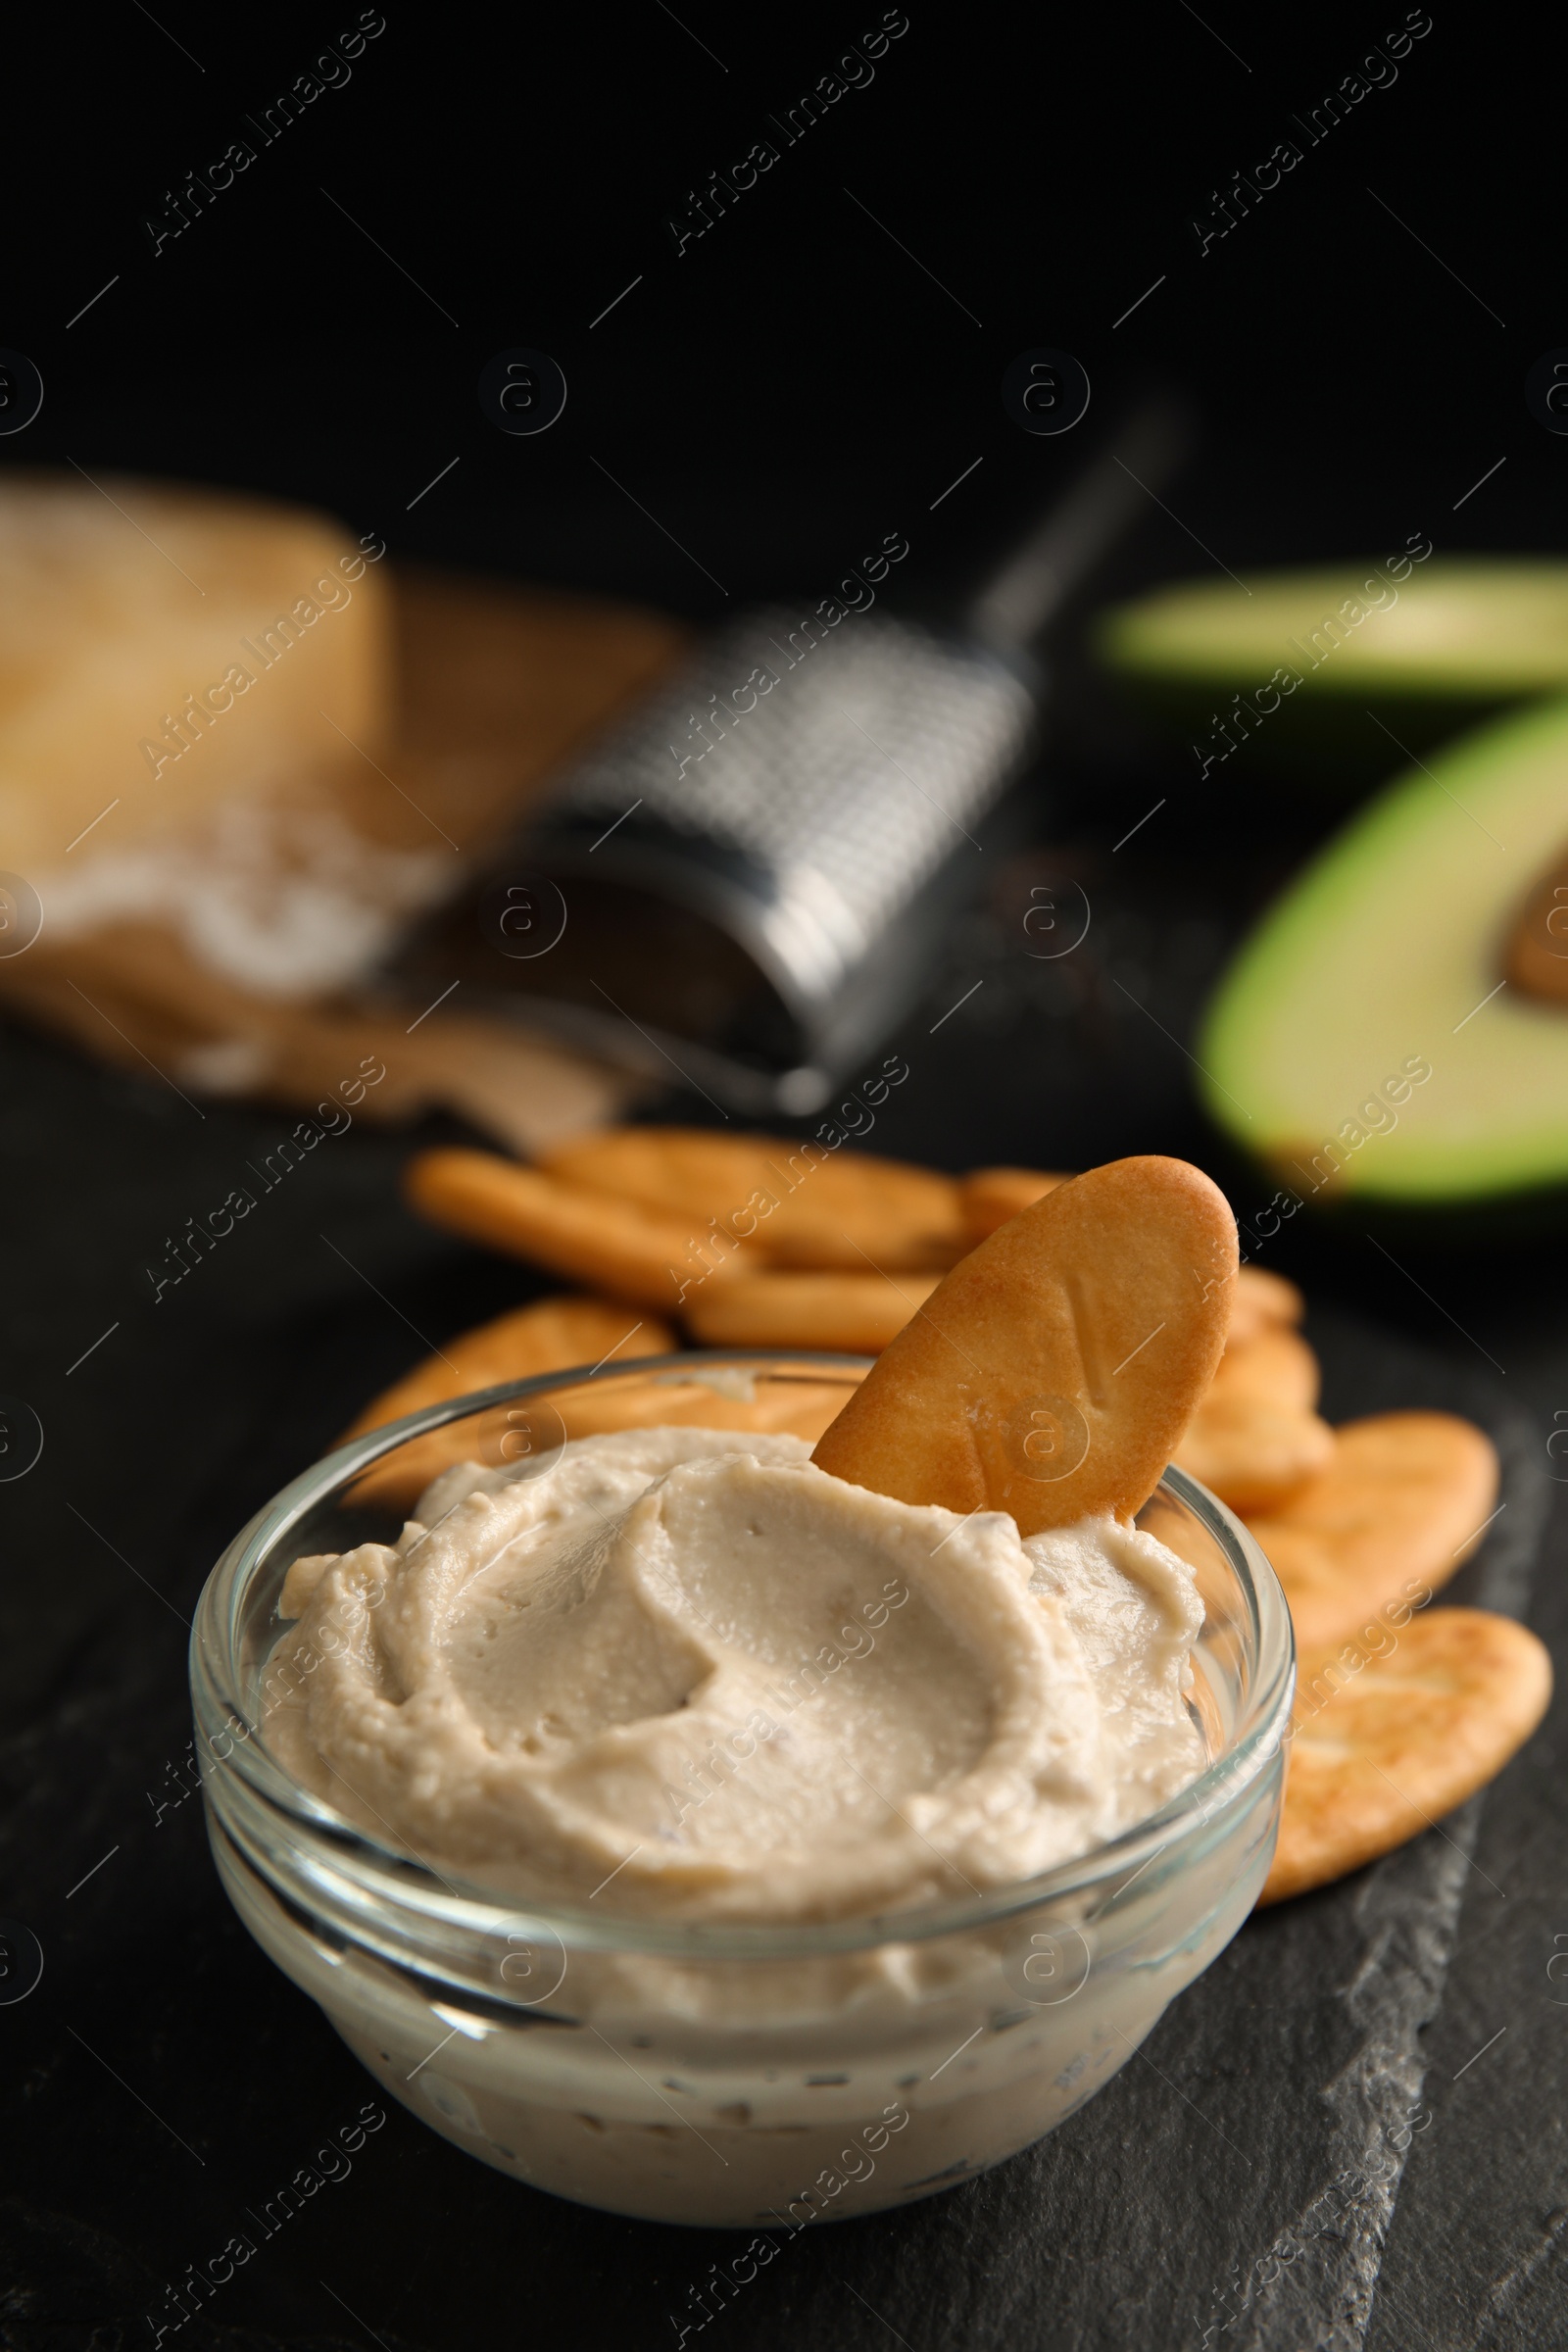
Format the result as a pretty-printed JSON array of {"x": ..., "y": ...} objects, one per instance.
[{"x": 1244, "y": 2180}]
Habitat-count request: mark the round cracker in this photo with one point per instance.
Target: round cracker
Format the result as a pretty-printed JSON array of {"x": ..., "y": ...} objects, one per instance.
[
  {"x": 1274, "y": 1366},
  {"x": 552, "y": 1335},
  {"x": 1262, "y": 1301},
  {"x": 1051, "y": 1373},
  {"x": 631, "y": 1252},
  {"x": 800, "y": 1407},
  {"x": 796, "y": 1203},
  {"x": 1384, "y": 1745},
  {"x": 857, "y": 1314},
  {"x": 1255, "y": 1455},
  {"x": 991, "y": 1196},
  {"x": 1255, "y": 1438},
  {"x": 1402, "y": 1503}
]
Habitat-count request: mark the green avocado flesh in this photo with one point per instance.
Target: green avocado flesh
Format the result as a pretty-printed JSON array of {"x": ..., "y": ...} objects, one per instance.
[
  {"x": 1381, "y": 960},
  {"x": 1458, "y": 630}
]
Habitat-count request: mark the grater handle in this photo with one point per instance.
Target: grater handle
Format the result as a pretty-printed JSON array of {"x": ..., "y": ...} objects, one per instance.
[{"x": 1023, "y": 600}]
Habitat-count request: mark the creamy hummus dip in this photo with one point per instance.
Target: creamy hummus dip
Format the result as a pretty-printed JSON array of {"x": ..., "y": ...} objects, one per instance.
[{"x": 689, "y": 1680}]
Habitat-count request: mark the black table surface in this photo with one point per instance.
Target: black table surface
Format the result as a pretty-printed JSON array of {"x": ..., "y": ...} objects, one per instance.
[{"x": 1350, "y": 2131}]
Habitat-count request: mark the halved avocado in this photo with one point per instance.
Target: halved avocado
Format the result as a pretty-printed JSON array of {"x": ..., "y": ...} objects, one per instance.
[
  {"x": 1367, "y": 1043},
  {"x": 1345, "y": 668}
]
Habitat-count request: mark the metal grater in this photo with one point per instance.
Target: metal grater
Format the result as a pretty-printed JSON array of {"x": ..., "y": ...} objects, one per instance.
[{"x": 742, "y": 883}]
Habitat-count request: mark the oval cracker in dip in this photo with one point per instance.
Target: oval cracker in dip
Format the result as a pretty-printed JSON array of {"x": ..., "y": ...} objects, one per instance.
[{"x": 1052, "y": 1374}]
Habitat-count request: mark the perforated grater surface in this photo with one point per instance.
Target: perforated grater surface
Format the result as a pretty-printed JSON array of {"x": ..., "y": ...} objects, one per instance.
[
  {"x": 860, "y": 766},
  {"x": 749, "y": 874}
]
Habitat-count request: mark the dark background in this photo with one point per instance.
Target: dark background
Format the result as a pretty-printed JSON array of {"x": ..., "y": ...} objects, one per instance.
[
  {"x": 789, "y": 390},
  {"x": 794, "y": 384}
]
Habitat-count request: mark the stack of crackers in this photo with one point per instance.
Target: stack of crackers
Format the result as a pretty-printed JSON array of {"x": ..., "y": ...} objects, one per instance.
[{"x": 754, "y": 1242}]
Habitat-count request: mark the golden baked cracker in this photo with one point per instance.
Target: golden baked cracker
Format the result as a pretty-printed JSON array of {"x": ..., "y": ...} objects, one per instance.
[
  {"x": 1261, "y": 1303},
  {"x": 552, "y": 1335},
  {"x": 858, "y": 1213},
  {"x": 1403, "y": 1502},
  {"x": 801, "y": 1408},
  {"x": 1255, "y": 1438},
  {"x": 683, "y": 1170},
  {"x": 1253, "y": 1454},
  {"x": 1051, "y": 1373},
  {"x": 857, "y": 1314},
  {"x": 1259, "y": 1300},
  {"x": 792, "y": 1203},
  {"x": 1385, "y": 1745},
  {"x": 1275, "y": 1366},
  {"x": 991, "y": 1196},
  {"x": 617, "y": 1246}
]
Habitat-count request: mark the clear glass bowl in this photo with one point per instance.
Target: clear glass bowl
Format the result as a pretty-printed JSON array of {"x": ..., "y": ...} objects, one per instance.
[{"x": 732, "y": 2074}]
